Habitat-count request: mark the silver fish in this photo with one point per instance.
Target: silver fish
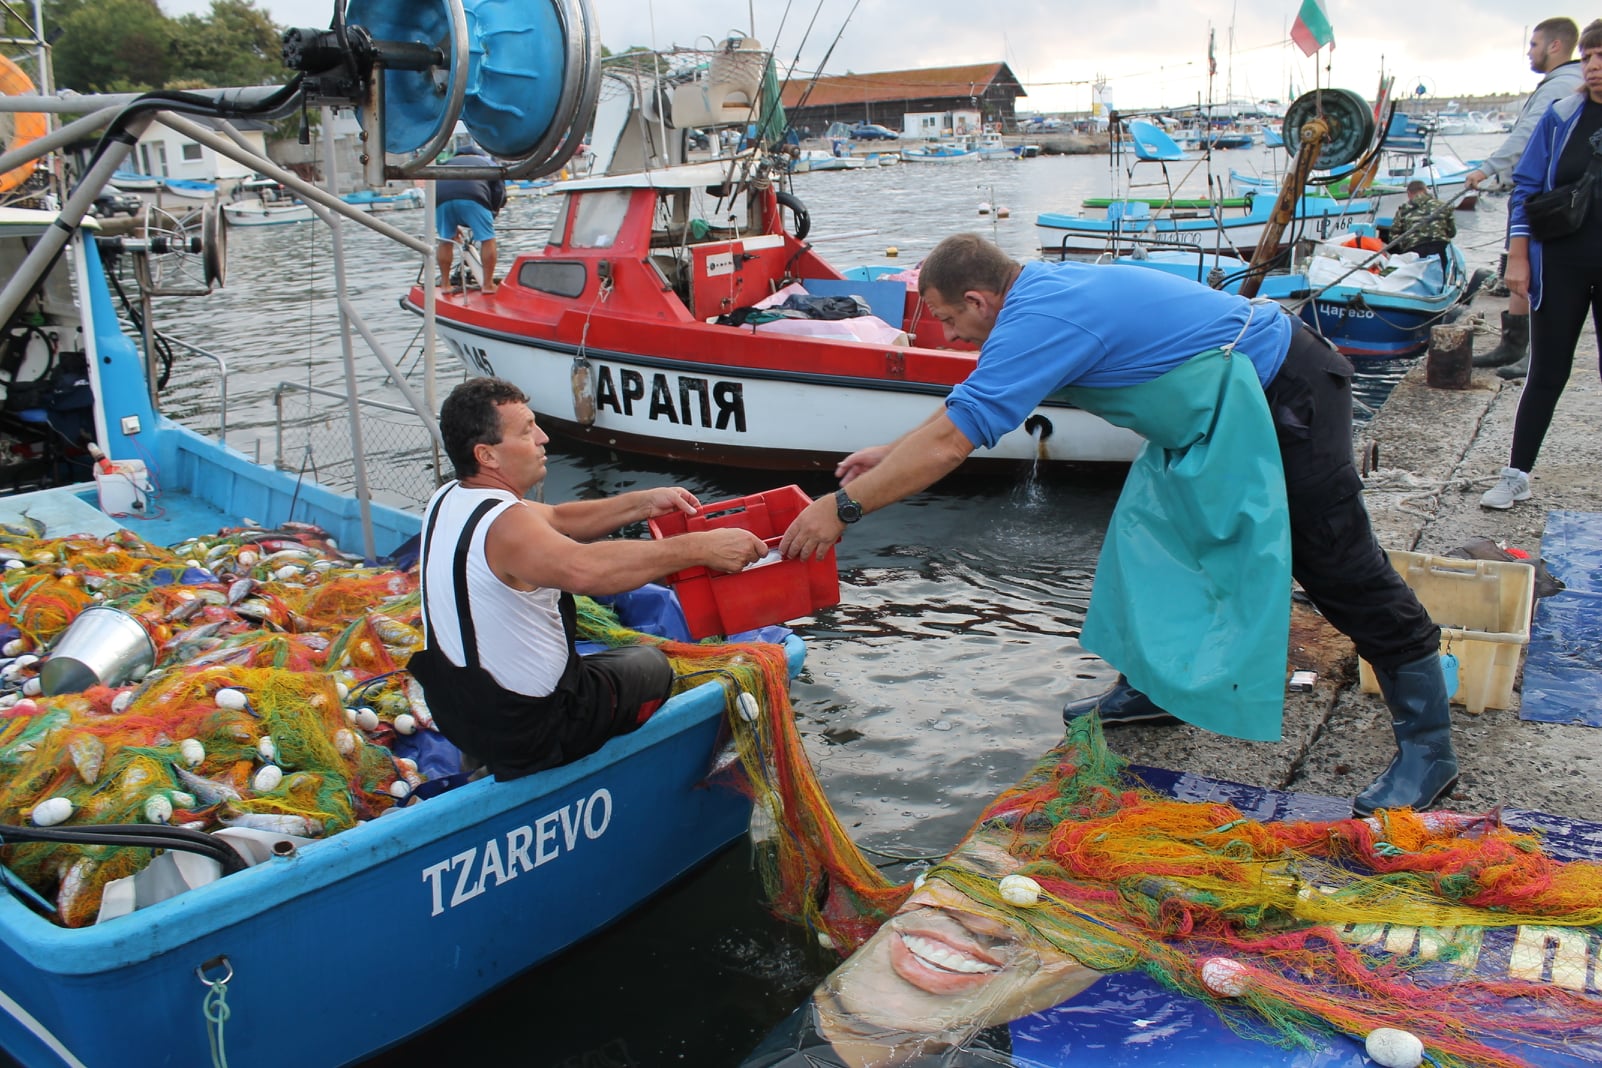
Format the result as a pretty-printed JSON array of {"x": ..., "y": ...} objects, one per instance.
[
  {"x": 240, "y": 589},
  {"x": 276, "y": 823},
  {"x": 210, "y": 791},
  {"x": 186, "y": 610}
]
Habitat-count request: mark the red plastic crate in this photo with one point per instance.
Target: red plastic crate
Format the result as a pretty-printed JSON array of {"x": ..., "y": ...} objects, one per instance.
[{"x": 715, "y": 603}]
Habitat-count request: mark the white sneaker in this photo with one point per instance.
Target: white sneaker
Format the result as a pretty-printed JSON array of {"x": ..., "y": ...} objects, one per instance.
[{"x": 1514, "y": 485}]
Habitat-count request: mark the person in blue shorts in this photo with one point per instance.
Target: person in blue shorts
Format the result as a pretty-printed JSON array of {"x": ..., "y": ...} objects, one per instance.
[
  {"x": 1247, "y": 480},
  {"x": 470, "y": 204}
]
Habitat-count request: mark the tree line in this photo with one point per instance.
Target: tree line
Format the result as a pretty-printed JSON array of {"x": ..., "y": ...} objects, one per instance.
[{"x": 125, "y": 46}]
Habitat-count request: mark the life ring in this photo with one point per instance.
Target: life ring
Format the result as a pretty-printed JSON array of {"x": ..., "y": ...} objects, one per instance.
[
  {"x": 803, "y": 219},
  {"x": 18, "y": 128},
  {"x": 1364, "y": 242}
]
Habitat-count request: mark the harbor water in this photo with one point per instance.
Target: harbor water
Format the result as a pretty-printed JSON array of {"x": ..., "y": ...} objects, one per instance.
[{"x": 933, "y": 685}]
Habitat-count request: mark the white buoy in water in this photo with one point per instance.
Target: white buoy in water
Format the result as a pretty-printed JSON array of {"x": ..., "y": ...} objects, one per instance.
[
  {"x": 345, "y": 741},
  {"x": 1019, "y": 890},
  {"x": 267, "y": 778},
  {"x": 120, "y": 703},
  {"x": 1224, "y": 977},
  {"x": 267, "y": 748},
  {"x": 405, "y": 723},
  {"x": 366, "y": 719},
  {"x": 192, "y": 751},
  {"x": 1393, "y": 1048}
]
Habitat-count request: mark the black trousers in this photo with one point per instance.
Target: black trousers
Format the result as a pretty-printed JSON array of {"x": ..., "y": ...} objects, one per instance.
[
  {"x": 1568, "y": 291},
  {"x": 1334, "y": 553}
]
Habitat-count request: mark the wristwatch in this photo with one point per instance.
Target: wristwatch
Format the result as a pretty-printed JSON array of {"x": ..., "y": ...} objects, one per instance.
[{"x": 847, "y": 509}]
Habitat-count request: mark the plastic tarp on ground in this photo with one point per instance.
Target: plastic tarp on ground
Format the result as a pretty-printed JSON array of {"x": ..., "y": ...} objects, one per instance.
[
  {"x": 1126, "y": 1018},
  {"x": 1563, "y": 670}
]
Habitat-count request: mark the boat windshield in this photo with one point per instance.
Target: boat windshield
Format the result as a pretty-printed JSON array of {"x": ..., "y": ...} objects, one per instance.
[{"x": 598, "y": 216}]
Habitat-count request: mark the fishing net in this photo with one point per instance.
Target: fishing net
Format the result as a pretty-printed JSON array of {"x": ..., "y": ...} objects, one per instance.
[
  {"x": 812, "y": 872},
  {"x": 272, "y": 697},
  {"x": 1291, "y": 931}
]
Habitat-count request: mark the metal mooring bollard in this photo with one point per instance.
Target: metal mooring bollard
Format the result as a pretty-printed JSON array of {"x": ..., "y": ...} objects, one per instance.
[{"x": 1450, "y": 363}]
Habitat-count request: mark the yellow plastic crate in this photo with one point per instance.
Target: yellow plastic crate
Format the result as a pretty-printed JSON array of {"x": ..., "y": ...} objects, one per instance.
[{"x": 1483, "y": 609}]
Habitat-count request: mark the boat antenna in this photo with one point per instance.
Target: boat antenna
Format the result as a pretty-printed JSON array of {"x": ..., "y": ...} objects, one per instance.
[{"x": 825, "y": 62}]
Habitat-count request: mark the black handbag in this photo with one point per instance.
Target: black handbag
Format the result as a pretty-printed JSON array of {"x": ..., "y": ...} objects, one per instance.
[{"x": 1562, "y": 211}]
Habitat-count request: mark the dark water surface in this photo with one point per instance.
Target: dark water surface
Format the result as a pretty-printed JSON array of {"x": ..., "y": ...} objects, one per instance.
[{"x": 931, "y": 687}]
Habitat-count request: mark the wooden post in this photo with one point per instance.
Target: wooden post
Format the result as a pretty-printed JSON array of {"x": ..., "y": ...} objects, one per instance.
[{"x": 1450, "y": 363}]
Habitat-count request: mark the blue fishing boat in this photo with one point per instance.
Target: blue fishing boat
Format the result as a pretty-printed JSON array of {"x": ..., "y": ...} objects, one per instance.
[
  {"x": 190, "y": 188},
  {"x": 1370, "y": 305},
  {"x": 1212, "y": 228},
  {"x": 941, "y": 153},
  {"x": 456, "y": 894},
  {"x": 375, "y": 200}
]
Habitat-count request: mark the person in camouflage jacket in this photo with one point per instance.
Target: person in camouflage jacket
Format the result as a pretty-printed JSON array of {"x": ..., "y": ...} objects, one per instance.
[{"x": 1424, "y": 224}]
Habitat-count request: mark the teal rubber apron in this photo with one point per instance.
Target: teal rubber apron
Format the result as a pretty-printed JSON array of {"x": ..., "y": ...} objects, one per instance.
[{"x": 1192, "y": 593}]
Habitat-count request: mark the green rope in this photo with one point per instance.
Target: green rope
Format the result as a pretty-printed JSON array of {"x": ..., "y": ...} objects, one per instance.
[{"x": 216, "y": 1011}]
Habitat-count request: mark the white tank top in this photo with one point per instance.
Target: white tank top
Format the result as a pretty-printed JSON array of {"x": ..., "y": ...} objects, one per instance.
[{"x": 521, "y": 642}]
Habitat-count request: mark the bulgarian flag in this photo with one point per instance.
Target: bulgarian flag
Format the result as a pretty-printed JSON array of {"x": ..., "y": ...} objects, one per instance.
[{"x": 1312, "y": 30}]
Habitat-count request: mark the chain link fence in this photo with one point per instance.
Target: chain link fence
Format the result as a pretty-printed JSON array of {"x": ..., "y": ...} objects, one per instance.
[{"x": 313, "y": 436}]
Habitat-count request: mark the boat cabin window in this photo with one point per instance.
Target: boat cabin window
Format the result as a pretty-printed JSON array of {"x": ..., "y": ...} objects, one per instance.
[
  {"x": 554, "y": 277},
  {"x": 597, "y": 217}
]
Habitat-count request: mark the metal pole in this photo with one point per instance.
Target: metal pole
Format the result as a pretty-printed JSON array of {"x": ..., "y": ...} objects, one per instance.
[
  {"x": 306, "y": 190},
  {"x": 358, "y": 453},
  {"x": 54, "y": 239},
  {"x": 59, "y": 138},
  {"x": 430, "y": 337}
]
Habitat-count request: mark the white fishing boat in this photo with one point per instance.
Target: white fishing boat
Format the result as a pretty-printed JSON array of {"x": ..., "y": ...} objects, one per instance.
[{"x": 260, "y": 211}]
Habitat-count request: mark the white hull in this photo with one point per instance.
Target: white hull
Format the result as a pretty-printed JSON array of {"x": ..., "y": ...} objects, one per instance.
[
  {"x": 693, "y": 410},
  {"x": 256, "y": 213}
]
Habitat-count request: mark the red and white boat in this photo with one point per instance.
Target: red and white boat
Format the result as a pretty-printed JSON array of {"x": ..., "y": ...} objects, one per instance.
[{"x": 613, "y": 331}]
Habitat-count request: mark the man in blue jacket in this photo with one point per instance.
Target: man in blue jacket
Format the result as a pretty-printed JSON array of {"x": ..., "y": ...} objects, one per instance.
[{"x": 471, "y": 204}]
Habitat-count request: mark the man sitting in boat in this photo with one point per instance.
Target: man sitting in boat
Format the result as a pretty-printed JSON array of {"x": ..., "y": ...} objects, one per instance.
[
  {"x": 1424, "y": 224},
  {"x": 500, "y": 671},
  {"x": 468, "y": 204},
  {"x": 1246, "y": 480}
]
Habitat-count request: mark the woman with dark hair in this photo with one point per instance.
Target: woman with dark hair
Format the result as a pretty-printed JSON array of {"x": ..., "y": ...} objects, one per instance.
[{"x": 1562, "y": 274}]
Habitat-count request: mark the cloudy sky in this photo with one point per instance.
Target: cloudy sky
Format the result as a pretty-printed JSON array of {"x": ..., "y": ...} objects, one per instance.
[{"x": 1150, "y": 52}]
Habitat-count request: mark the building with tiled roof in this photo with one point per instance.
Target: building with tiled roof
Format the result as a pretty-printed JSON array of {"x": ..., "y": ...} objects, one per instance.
[{"x": 888, "y": 97}]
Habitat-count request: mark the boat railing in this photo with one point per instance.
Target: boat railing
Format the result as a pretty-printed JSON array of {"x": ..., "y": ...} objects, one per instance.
[
  {"x": 312, "y": 436},
  {"x": 190, "y": 408}
]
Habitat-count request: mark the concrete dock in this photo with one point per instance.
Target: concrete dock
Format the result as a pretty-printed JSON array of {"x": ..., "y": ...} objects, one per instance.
[{"x": 1438, "y": 450}]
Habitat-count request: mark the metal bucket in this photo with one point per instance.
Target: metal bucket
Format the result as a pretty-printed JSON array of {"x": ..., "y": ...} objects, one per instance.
[{"x": 103, "y": 647}]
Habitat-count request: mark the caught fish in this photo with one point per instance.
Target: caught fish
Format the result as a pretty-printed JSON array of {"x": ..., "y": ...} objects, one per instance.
[
  {"x": 204, "y": 630},
  {"x": 210, "y": 791},
  {"x": 186, "y": 610},
  {"x": 276, "y": 823},
  {"x": 240, "y": 589},
  {"x": 88, "y": 755},
  {"x": 73, "y": 884}
]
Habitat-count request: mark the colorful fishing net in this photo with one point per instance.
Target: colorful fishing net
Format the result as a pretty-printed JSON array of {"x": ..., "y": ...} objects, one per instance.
[
  {"x": 811, "y": 870},
  {"x": 1291, "y": 931},
  {"x": 274, "y": 693}
]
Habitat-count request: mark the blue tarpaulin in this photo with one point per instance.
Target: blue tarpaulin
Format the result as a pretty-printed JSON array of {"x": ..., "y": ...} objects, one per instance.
[{"x": 1563, "y": 671}]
